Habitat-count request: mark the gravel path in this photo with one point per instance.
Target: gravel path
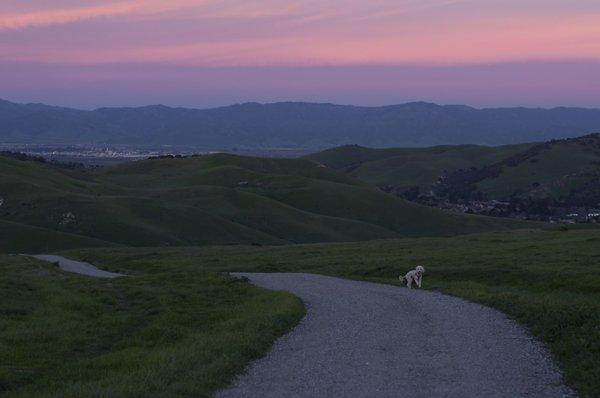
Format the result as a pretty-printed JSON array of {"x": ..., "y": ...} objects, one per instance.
[
  {"x": 77, "y": 267},
  {"x": 363, "y": 339}
]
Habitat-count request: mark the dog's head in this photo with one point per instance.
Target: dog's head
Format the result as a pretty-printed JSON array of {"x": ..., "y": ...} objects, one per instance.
[{"x": 420, "y": 269}]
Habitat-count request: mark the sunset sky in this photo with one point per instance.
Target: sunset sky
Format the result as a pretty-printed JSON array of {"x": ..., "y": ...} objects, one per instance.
[{"x": 204, "y": 53}]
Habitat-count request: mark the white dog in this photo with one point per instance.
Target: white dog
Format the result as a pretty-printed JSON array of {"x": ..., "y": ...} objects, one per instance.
[{"x": 415, "y": 275}]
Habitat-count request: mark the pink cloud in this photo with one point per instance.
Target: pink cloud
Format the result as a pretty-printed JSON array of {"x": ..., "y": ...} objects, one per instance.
[
  {"x": 488, "y": 39},
  {"x": 50, "y": 17},
  {"x": 18, "y": 20},
  {"x": 302, "y": 32}
]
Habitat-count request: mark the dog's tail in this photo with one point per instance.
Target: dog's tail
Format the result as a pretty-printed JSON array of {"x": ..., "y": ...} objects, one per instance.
[{"x": 402, "y": 279}]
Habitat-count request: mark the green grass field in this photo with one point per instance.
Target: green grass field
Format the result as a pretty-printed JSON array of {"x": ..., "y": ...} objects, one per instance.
[
  {"x": 548, "y": 281},
  {"x": 163, "y": 332}
]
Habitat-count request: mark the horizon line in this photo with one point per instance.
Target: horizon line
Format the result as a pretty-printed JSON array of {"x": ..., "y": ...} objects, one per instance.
[{"x": 299, "y": 102}]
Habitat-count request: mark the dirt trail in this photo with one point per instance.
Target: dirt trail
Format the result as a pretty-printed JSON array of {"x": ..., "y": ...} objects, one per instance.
[
  {"x": 77, "y": 267},
  {"x": 363, "y": 339}
]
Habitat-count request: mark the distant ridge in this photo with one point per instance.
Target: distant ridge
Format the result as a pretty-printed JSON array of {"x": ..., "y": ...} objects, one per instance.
[
  {"x": 293, "y": 124},
  {"x": 553, "y": 174}
]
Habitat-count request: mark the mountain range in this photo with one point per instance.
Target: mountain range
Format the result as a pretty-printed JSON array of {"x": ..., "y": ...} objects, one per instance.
[{"x": 292, "y": 124}]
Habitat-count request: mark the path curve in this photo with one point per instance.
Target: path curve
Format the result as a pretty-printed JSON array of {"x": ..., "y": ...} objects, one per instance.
[
  {"x": 362, "y": 339},
  {"x": 77, "y": 267}
]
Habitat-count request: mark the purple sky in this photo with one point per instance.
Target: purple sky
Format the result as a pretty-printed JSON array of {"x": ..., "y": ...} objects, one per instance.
[{"x": 204, "y": 53}]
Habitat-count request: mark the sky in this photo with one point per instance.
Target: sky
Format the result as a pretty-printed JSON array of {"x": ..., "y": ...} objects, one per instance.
[{"x": 205, "y": 53}]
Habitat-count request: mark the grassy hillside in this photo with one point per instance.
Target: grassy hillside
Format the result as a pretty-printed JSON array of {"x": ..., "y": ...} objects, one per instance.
[
  {"x": 567, "y": 171},
  {"x": 160, "y": 333},
  {"x": 409, "y": 167},
  {"x": 547, "y": 280},
  {"x": 561, "y": 170},
  {"x": 21, "y": 238},
  {"x": 215, "y": 199}
]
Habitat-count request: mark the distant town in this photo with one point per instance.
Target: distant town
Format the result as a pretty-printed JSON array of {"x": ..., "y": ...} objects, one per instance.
[
  {"x": 106, "y": 155},
  {"x": 517, "y": 208}
]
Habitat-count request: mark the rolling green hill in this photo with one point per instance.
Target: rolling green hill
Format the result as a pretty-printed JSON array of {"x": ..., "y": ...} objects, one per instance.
[
  {"x": 408, "y": 167},
  {"x": 214, "y": 199},
  {"x": 21, "y": 238},
  {"x": 566, "y": 171}
]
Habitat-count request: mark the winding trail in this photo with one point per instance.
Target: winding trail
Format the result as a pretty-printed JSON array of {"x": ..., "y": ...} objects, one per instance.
[
  {"x": 362, "y": 339},
  {"x": 77, "y": 267}
]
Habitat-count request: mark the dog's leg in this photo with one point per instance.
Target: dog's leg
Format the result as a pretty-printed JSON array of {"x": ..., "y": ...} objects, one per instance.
[
  {"x": 419, "y": 282},
  {"x": 409, "y": 282}
]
